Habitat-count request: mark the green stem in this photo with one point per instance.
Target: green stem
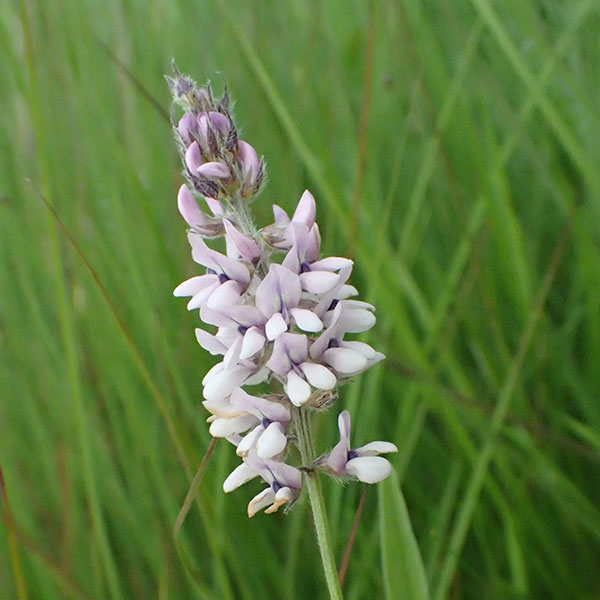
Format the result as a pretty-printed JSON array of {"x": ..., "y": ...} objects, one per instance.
[{"x": 311, "y": 479}]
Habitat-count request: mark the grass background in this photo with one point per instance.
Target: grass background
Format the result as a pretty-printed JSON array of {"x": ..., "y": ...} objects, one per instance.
[{"x": 453, "y": 151}]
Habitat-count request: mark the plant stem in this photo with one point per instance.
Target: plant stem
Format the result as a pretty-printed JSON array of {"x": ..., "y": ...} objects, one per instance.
[{"x": 305, "y": 445}]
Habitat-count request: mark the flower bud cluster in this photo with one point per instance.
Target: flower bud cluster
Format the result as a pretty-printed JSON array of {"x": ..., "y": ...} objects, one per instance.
[
  {"x": 279, "y": 313},
  {"x": 217, "y": 164}
]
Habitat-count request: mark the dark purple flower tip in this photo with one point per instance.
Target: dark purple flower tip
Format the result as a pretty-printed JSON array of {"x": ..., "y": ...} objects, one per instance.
[
  {"x": 210, "y": 271},
  {"x": 223, "y": 278},
  {"x": 352, "y": 454},
  {"x": 304, "y": 267},
  {"x": 242, "y": 329},
  {"x": 276, "y": 486},
  {"x": 265, "y": 422},
  {"x": 333, "y": 343},
  {"x": 333, "y": 304}
]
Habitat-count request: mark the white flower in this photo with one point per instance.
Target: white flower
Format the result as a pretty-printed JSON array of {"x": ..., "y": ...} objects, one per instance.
[{"x": 362, "y": 463}]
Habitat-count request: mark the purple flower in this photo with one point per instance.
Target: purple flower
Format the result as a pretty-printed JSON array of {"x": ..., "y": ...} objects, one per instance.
[
  {"x": 362, "y": 463},
  {"x": 194, "y": 217},
  {"x": 224, "y": 282},
  {"x": 239, "y": 337},
  {"x": 284, "y": 483},
  {"x": 239, "y": 245},
  {"x": 193, "y": 157},
  {"x": 212, "y": 125},
  {"x": 251, "y": 169},
  {"x": 240, "y": 411},
  {"x": 278, "y": 298},
  {"x": 281, "y": 233},
  {"x": 290, "y": 361},
  {"x": 346, "y": 357},
  {"x": 187, "y": 127}
]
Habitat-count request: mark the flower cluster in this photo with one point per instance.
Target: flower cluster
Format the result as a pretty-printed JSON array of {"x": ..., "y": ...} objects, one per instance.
[
  {"x": 217, "y": 164},
  {"x": 279, "y": 313}
]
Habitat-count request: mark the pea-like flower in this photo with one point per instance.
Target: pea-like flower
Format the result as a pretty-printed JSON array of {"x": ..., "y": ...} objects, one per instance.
[
  {"x": 364, "y": 463},
  {"x": 284, "y": 482}
]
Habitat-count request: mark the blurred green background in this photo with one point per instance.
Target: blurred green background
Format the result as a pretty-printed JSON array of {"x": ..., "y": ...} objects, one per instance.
[{"x": 453, "y": 151}]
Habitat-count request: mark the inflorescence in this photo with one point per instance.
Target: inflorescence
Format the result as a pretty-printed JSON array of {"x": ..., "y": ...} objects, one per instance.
[{"x": 281, "y": 312}]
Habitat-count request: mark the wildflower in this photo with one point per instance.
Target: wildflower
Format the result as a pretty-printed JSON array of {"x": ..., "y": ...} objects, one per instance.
[
  {"x": 198, "y": 220},
  {"x": 364, "y": 463},
  {"x": 347, "y": 357},
  {"x": 217, "y": 163},
  {"x": 290, "y": 362},
  {"x": 240, "y": 412},
  {"x": 284, "y": 483}
]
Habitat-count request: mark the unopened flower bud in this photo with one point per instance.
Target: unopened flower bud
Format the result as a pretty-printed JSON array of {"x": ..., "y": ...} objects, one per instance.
[
  {"x": 187, "y": 127},
  {"x": 193, "y": 157}
]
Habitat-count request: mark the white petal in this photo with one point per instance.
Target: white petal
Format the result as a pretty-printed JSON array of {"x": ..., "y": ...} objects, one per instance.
[
  {"x": 331, "y": 263},
  {"x": 209, "y": 342},
  {"x": 379, "y": 356},
  {"x": 212, "y": 372},
  {"x": 223, "y": 383},
  {"x": 249, "y": 441},
  {"x": 283, "y": 496},
  {"x": 360, "y": 347},
  {"x": 226, "y": 294},
  {"x": 318, "y": 282},
  {"x": 306, "y": 210},
  {"x": 231, "y": 357},
  {"x": 306, "y": 319},
  {"x": 226, "y": 427},
  {"x": 238, "y": 476},
  {"x": 280, "y": 216},
  {"x": 260, "y": 501},
  {"x": 223, "y": 408},
  {"x": 359, "y": 304},
  {"x": 227, "y": 335},
  {"x": 358, "y": 320},
  {"x": 346, "y": 291},
  {"x": 344, "y": 360},
  {"x": 234, "y": 439},
  {"x": 319, "y": 376},
  {"x": 201, "y": 297},
  {"x": 297, "y": 389},
  {"x": 252, "y": 343},
  {"x": 258, "y": 377},
  {"x": 374, "y": 448},
  {"x": 272, "y": 442},
  {"x": 275, "y": 326},
  {"x": 192, "y": 286},
  {"x": 369, "y": 469}
]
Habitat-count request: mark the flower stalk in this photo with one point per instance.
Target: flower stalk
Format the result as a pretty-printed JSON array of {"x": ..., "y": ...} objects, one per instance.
[{"x": 317, "y": 503}]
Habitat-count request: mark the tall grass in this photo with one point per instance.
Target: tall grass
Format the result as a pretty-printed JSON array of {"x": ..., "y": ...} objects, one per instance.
[{"x": 474, "y": 229}]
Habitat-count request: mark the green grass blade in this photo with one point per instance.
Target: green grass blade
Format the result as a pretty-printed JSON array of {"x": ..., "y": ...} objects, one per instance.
[{"x": 402, "y": 566}]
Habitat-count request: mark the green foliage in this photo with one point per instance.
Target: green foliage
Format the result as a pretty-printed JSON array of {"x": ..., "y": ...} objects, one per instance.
[
  {"x": 477, "y": 240},
  {"x": 402, "y": 565}
]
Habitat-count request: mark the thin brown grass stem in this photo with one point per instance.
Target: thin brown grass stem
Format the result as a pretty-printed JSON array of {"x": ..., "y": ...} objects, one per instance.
[
  {"x": 187, "y": 503},
  {"x": 137, "y": 84},
  {"x": 13, "y": 548},
  {"x": 145, "y": 373},
  {"x": 350, "y": 544},
  {"x": 363, "y": 130}
]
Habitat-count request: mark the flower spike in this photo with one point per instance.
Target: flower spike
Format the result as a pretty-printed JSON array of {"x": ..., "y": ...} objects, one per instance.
[{"x": 282, "y": 322}]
